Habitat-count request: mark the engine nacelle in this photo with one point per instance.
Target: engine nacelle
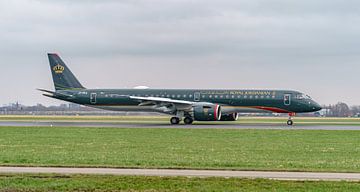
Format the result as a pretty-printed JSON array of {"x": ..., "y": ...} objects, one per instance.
[
  {"x": 230, "y": 117},
  {"x": 207, "y": 112}
]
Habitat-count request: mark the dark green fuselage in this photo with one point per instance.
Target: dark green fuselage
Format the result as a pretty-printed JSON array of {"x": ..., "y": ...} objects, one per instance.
[{"x": 280, "y": 101}]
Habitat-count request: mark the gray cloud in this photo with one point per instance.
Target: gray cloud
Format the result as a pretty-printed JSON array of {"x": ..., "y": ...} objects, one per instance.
[{"x": 305, "y": 45}]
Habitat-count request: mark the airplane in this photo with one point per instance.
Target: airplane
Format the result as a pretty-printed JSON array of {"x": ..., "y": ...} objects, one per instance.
[{"x": 187, "y": 105}]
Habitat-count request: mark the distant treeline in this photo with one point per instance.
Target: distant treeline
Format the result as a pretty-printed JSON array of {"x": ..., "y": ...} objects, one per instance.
[
  {"x": 341, "y": 110},
  {"x": 63, "y": 109},
  {"x": 338, "y": 110}
]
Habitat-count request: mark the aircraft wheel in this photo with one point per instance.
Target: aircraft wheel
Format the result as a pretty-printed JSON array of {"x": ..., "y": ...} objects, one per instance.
[
  {"x": 174, "y": 120},
  {"x": 188, "y": 120},
  {"x": 290, "y": 122}
]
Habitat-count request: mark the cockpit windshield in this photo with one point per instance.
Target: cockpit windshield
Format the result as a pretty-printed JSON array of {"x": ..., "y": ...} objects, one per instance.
[{"x": 302, "y": 96}]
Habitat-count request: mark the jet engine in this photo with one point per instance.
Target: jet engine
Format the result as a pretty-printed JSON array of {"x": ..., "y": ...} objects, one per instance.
[
  {"x": 207, "y": 112},
  {"x": 230, "y": 117}
]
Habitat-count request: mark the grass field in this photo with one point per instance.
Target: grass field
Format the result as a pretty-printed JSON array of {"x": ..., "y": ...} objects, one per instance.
[
  {"x": 155, "y": 184},
  {"x": 297, "y": 150},
  {"x": 165, "y": 119}
]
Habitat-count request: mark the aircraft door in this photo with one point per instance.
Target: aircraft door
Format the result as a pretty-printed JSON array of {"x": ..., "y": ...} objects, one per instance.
[
  {"x": 287, "y": 99},
  {"x": 93, "y": 98},
  {"x": 197, "y": 96}
]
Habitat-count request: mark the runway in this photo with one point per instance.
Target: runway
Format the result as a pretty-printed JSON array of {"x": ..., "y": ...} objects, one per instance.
[
  {"x": 214, "y": 125},
  {"x": 301, "y": 176}
]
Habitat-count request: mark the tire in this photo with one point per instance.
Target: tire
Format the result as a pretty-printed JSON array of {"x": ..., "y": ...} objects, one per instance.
[
  {"x": 174, "y": 120},
  {"x": 290, "y": 122},
  {"x": 188, "y": 120}
]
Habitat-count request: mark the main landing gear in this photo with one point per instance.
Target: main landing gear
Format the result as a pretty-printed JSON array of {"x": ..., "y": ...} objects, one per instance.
[
  {"x": 290, "y": 122},
  {"x": 188, "y": 120},
  {"x": 176, "y": 120}
]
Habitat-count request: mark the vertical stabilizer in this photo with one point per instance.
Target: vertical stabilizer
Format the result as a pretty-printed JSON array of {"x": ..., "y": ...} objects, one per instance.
[{"x": 62, "y": 76}]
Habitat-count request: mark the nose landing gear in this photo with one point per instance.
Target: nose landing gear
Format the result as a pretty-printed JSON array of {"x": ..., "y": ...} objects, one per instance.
[{"x": 290, "y": 122}]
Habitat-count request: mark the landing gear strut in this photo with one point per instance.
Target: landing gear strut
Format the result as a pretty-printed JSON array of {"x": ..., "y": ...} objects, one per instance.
[
  {"x": 290, "y": 121},
  {"x": 175, "y": 120}
]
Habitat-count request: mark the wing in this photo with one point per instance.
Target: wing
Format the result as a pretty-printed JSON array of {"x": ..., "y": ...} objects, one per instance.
[{"x": 165, "y": 104}]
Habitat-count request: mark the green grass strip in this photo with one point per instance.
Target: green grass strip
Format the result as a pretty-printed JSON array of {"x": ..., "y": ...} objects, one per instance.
[
  {"x": 19, "y": 183},
  {"x": 291, "y": 150}
]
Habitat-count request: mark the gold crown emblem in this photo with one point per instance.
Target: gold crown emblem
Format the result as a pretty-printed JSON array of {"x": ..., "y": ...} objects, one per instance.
[{"x": 58, "y": 69}]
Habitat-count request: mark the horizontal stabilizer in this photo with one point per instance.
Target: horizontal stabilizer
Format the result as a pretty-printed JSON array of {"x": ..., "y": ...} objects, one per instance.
[
  {"x": 47, "y": 91},
  {"x": 47, "y": 95},
  {"x": 54, "y": 94}
]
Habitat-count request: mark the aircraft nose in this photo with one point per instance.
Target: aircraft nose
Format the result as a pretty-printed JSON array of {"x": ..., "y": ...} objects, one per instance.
[{"x": 316, "y": 106}]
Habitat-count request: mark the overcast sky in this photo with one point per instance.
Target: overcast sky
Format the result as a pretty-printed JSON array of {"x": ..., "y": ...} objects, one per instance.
[{"x": 310, "y": 46}]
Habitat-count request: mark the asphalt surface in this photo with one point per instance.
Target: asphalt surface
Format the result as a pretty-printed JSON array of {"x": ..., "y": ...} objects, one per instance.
[
  {"x": 186, "y": 173},
  {"x": 166, "y": 125}
]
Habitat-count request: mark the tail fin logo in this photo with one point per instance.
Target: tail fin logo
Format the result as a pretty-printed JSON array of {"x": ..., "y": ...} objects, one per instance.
[{"x": 58, "y": 69}]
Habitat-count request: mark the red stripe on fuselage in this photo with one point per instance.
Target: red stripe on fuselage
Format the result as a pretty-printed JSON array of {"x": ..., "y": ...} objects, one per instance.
[
  {"x": 276, "y": 110},
  {"x": 215, "y": 112}
]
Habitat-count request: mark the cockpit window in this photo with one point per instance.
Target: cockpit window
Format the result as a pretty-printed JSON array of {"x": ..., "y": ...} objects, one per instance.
[{"x": 302, "y": 96}]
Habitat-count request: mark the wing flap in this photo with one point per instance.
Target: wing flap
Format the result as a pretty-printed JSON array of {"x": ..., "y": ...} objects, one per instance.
[{"x": 156, "y": 100}]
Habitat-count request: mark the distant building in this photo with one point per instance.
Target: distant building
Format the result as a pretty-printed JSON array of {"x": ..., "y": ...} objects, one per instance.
[{"x": 73, "y": 106}]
